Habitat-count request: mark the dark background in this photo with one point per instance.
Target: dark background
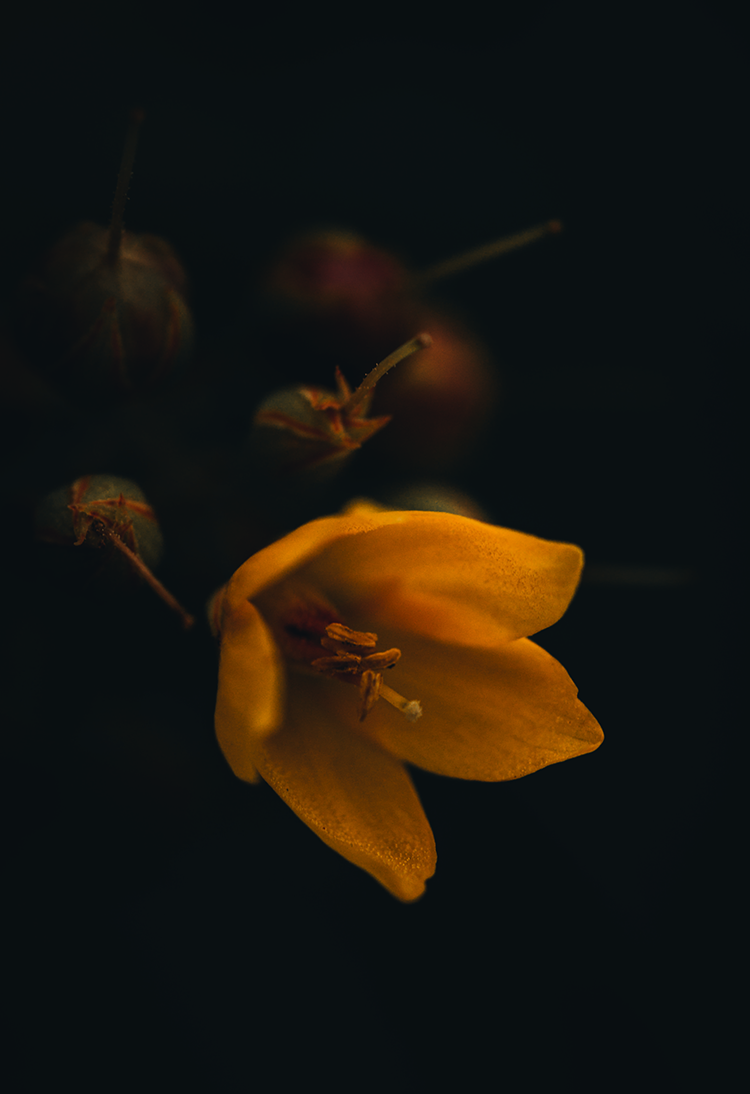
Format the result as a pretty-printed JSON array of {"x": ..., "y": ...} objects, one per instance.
[{"x": 173, "y": 926}]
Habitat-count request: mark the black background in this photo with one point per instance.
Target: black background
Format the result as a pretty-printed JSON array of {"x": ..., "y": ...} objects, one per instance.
[{"x": 172, "y": 926}]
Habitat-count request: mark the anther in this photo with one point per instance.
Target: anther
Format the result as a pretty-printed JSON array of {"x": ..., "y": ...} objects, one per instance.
[
  {"x": 369, "y": 691},
  {"x": 339, "y": 637}
]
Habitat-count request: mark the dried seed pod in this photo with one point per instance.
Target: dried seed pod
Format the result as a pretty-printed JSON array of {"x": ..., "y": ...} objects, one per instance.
[
  {"x": 307, "y": 429},
  {"x": 110, "y": 514},
  {"x": 105, "y": 312},
  {"x": 83, "y": 511}
]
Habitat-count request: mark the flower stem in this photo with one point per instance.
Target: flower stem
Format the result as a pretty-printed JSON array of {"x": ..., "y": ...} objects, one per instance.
[
  {"x": 422, "y": 341},
  {"x": 145, "y": 573},
  {"x": 123, "y": 181},
  {"x": 489, "y": 250}
]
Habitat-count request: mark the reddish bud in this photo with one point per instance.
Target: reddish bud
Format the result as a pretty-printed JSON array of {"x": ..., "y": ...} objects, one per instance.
[
  {"x": 339, "y": 294},
  {"x": 334, "y": 269},
  {"x": 439, "y": 401}
]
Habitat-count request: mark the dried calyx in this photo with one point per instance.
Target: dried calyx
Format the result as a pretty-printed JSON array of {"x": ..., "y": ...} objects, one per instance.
[
  {"x": 321, "y": 427},
  {"x": 101, "y": 511}
]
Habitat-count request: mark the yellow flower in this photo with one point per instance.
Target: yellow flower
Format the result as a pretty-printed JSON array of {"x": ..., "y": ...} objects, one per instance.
[{"x": 439, "y": 603}]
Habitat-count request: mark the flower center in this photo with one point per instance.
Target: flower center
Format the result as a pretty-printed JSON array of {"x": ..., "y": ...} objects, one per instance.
[
  {"x": 311, "y": 637},
  {"x": 355, "y": 660}
]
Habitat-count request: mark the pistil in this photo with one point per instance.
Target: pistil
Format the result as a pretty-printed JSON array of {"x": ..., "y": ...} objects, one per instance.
[{"x": 412, "y": 708}]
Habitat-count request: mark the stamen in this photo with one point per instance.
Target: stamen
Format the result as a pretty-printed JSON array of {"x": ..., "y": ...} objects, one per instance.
[
  {"x": 379, "y": 661},
  {"x": 352, "y": 663},
  {"x": 369, "y": 691},
  {"x": 342, "y": 662},
  {"x": 339, "y": 637}
]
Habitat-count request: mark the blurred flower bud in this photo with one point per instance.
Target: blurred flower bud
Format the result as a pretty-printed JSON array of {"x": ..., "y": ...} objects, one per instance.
[
  {"x": 440, "y": 401},
  {"x": 104, "y": 312},
  {"x": 435, "y": 497},
  {"x": 335, "y": 268},
  {"x": 98, "y": 325},
  {"x": 339, "y": 295}
]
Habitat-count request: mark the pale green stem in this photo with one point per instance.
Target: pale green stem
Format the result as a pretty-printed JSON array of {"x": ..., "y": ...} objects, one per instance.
[
  {"x": 486, "y": 252},
  {"x": 422, "y": 341}
]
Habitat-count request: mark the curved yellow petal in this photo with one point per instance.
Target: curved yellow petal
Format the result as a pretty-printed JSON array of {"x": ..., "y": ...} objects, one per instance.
[
  {"x": 358, "y": 798},
  {"x": 487, "y": 714},
  {"x": 273, "y": 563},
  {"x": 448, "y": 577},
  {"x": 249, "y": 704}
]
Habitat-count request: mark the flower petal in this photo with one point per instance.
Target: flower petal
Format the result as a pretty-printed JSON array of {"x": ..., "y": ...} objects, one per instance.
[
  {"x": 358, "y": 798},
  {"x": 444, "y": 576},
  {"x": 249, "y": 704},
  {"x": 487, "y": 714},
  {"x": 272, "y": 563}
]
